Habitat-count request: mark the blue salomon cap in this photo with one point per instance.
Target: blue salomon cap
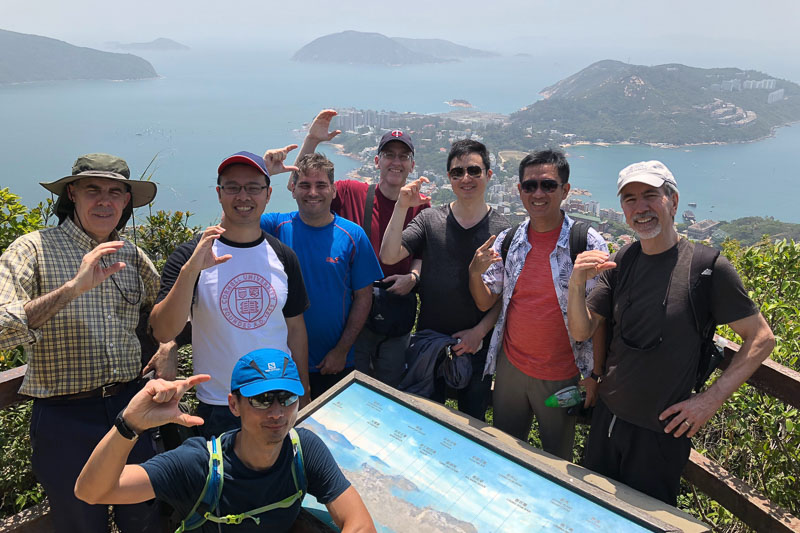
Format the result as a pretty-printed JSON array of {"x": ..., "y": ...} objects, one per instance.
[{"x": 266, "y": 370}]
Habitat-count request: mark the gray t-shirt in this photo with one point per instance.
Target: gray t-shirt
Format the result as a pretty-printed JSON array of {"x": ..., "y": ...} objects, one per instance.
[
  {"x": 446, "y": 305},
  {"x": 652, "y": 360}
]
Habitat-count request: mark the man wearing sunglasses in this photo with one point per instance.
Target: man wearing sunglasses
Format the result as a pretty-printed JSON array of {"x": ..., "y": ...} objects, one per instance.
[
  {"x": 447, "y": 237},
  {"x": 376, "y": 354},
  {"x": 535, "y": 359},
  {"x": 646, "y": 413},
  {"x": 241, "y": 288},
  {"x": 259, "y": 464}
]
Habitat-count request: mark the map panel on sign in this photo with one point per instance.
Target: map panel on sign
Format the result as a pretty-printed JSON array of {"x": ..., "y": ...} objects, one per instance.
[{"x": 416, "y": 475}]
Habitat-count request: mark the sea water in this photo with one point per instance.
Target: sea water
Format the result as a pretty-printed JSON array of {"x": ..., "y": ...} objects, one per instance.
[{"x": 208, "y": 105}]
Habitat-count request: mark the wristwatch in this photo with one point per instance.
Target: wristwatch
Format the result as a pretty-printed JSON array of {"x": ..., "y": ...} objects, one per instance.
[
  {"x": 598, "y": 378},
  {"x": 123, "y": 428},
  {"x": 416, "y": 278}
]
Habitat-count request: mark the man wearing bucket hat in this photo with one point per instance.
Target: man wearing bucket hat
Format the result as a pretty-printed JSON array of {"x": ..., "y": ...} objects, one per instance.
[
  {"x": 267, "y": 467},
  {"x": 72, "y": 296},
  {"x": 663, "y": 295},
  {"x": 241, "y": 288}
]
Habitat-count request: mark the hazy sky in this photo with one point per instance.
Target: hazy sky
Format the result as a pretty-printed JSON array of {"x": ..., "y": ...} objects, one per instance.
[{"x": 504, "y": 25}]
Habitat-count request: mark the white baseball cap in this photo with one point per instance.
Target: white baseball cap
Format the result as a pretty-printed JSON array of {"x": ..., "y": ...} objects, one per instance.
[{"x": 653, "y": 173}]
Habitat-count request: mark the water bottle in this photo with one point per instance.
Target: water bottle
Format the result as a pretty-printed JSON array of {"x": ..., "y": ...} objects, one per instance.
[{"x": 566, "y": 397}]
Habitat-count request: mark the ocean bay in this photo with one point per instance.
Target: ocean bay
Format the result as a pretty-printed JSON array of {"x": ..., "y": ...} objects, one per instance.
[{"x": 208, "y": 105}]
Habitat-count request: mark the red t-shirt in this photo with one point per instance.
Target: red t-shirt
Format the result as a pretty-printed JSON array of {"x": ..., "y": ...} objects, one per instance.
[
  {"x": 535, "y": 339},
  {"x": 351, "y": 195}
]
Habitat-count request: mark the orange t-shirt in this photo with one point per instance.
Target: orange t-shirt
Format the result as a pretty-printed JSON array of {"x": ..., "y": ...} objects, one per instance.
[{"x": 535, "y": 339}]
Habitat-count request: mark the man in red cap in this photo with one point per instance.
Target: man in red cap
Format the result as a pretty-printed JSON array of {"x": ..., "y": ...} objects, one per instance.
[
  {"x": 241, "y": 288},
  {"x": 377, "y": 353}
]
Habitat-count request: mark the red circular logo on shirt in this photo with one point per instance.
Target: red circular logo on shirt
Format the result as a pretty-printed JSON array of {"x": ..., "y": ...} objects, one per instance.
[{"x": 247, "y": 301}]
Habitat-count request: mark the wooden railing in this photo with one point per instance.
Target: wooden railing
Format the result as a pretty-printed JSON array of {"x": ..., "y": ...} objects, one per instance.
[{"x": 739, "y": 498}]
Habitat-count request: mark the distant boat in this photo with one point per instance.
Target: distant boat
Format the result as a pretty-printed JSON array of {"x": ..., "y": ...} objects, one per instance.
[{"x": 692, "y": 204}]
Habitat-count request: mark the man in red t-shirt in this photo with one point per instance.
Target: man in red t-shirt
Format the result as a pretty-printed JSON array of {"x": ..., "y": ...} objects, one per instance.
[
  {"x": 531, "y": 348},
  {"x": 377, "y": 355}
]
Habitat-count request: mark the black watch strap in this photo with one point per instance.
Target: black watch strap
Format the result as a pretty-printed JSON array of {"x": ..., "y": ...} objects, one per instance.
[
  {"x": 123, "y": 428},
  {"x": 596, "y": 377}
]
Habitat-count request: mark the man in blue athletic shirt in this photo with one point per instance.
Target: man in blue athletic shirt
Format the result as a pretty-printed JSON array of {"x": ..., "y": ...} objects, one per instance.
[
  {"x": 259, "y": 462},
  {"x": 338, "y": 265}
]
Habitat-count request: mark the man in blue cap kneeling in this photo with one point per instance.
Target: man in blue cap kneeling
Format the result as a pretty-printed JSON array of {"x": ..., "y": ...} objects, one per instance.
[{"x": 264, "y": 470}]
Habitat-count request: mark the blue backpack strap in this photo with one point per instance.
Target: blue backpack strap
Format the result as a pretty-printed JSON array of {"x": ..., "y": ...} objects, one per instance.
[
  {"x": 299, "y": 478},
  {"x": 208, "y": 501}
]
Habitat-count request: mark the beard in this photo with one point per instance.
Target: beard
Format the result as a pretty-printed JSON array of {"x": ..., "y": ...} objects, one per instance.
[{"x": 651, "y": 233}]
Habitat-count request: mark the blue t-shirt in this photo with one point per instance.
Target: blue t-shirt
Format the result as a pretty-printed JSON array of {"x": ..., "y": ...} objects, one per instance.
[
  {"x": 178, "y": 477},
  {"x": 336, "y": 260}
]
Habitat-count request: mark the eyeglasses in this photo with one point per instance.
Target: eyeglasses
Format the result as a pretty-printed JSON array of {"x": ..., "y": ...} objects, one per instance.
[
  {"x": 400, "y": 157},
  {"x": 530, "y": 186},
  {"x": 457, "y": 173},
  {"x": 265, "y": 400},
  {"x": 233, "y": 189}
]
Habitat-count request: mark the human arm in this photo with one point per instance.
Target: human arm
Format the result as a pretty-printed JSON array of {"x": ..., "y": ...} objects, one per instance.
[
  {"x": 297, "y": 340},
  {"x": 689, "y": 415},
  {"x": 599, "y": 348},
  {"x": 402, "y": 284},
  {"x": 349, "y": 512},
  {"x": 274, "y": 160},
  {"x": 392, "y": 249},
  {"x": 91, "y": 273},
  {"x": 471, "y": 338},
  {"x": 169, "y": 316},
  {"x": 334, "y": 360},
  {"x": 164, "y": 362},
  {"x": 485, "y": 256},
  {"x": 105, "y": 478},
  {"x": 583, "y": 322}
]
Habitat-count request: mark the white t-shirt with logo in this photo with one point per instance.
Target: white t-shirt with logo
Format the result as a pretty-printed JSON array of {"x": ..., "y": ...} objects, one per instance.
[{"x": 239, "y": 306}]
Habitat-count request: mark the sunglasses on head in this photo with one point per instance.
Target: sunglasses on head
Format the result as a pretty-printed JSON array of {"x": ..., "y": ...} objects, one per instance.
[
  {"x": 265, "y": 400},
  {"x": 530, "y": 186},
  {"x": 474, "y": 171}
]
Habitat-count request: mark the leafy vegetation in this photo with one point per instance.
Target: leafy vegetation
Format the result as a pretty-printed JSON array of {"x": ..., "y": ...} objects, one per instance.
[{"x": 750, "y": 230}]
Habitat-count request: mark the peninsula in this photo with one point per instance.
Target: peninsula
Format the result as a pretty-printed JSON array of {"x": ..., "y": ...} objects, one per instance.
[
  {"x": 30, "y": 58},
  {"x": 162, "y": 44}
]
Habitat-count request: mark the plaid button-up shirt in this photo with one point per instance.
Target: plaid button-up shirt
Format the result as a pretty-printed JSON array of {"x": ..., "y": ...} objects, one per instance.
[{"x": 92, "y": 341}]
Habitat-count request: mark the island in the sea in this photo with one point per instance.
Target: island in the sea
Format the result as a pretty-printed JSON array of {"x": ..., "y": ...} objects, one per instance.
[
  {"x": 162, "y": 44},
  {"x": 30, "y": 58},
  {"x": 355, "y": 47},
  {"x": 457, "y": 102}
]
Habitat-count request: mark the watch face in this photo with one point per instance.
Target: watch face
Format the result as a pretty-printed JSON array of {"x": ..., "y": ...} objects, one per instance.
[{"x": 124, "y": 429}]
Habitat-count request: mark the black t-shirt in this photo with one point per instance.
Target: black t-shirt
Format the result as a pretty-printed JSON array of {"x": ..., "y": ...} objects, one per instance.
[
  {"x": 652, "y": 359},
  {"x": 446, "y": 305},
  {"x": 297, "y": 300},
  {"x": 178, "y": 477}
]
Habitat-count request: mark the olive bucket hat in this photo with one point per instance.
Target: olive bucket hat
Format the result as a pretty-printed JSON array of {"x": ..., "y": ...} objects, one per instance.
[{"x": 101, "y": 166}]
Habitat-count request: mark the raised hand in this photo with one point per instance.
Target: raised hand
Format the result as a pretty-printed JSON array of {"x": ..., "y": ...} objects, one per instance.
[
  {"x": 485, "y": 256},
  {"x": 203, "y": 256},
  {"x": 410, "y": 195},
  {"x": 157, "y": 404},
  {"x": 589, "y": 264},
  {"x": 274, "y": 160},
  {"x": 318, "y": 131},
  {"x": 91, "y": 272}
]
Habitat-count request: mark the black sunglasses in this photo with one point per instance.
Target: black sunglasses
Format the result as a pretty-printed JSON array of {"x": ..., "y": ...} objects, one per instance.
[
  {"x": 474, "y": 171},
  {"x": 530, "y": 186},
  {"x": 265, "y": 400}
]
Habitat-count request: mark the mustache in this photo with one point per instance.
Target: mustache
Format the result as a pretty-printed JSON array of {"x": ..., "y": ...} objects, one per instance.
[{"x": 646, "y": 214}]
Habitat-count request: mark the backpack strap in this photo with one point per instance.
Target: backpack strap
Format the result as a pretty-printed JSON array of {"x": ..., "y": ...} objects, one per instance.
[
  {"x": 208, "y": 502},
  {"x": 507, "y": 241},
  {"x": 700, "y": 279},
  {"x": 299, "y": 478},
  {"x": 578, "y": 239},
  {"x": 366, "y": 222}
]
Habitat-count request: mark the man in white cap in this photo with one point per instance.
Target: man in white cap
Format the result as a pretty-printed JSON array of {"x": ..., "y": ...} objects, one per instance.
[
  {"x": 73, "y": 296},
  {"x": 265, "y": 468},
  {"x": 662, "y": 310}
]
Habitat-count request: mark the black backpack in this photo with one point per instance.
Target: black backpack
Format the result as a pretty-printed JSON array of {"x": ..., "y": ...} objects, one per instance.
[
  {"x": 577, "y": 240},
  {"x": 700, "y": 278}
]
